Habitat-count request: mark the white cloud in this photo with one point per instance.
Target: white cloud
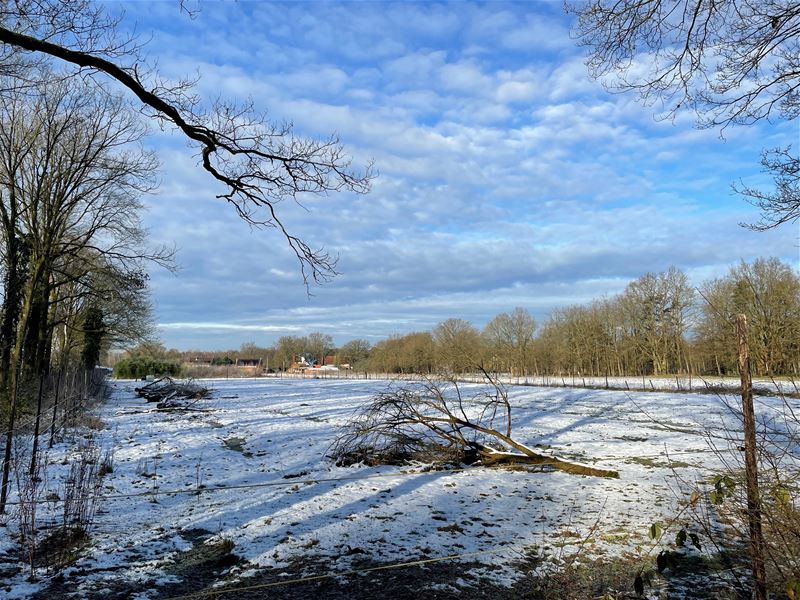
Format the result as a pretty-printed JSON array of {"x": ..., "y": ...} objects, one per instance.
[
  {"x": 465, "y": 77},
  {"x": 508, "y": 177}
]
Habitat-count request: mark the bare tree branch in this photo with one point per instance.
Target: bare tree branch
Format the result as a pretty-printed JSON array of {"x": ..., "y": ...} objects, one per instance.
[
  {"x": 783, "y": 204},
  {"x": 731, "y": 62},
  {"x": 259, "y": 163}
]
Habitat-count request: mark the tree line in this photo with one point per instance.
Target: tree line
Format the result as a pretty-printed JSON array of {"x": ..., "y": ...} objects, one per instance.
[{"x": 658, "y": 325}]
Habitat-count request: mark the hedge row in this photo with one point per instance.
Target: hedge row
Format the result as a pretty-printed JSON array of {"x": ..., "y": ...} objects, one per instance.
[{"x": 136, "y": 368}]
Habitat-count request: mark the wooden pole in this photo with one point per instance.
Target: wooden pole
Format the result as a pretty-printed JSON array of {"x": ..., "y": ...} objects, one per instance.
[{"x": 751, "y": 464}]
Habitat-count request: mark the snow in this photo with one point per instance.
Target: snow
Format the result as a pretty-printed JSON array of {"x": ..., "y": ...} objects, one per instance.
[{"x": 273, "y": 434}]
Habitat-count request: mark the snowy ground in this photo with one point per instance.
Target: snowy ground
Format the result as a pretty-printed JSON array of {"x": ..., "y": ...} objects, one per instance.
[{"x": 265, "y": 440}]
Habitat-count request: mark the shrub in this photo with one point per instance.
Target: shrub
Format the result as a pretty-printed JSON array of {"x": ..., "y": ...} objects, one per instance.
[{"x": 136, "y": 368}]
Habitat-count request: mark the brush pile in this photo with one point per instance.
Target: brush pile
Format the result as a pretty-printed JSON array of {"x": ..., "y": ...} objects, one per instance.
[{"x": 169, "y": 393}]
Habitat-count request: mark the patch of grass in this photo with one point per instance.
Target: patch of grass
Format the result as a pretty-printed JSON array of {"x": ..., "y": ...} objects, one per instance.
[
  {"x": 61, "y": 547},
  {"x": 88, "y": 421},
  {"x": 204, "y": 557},
  {"x": 615, "y": 537},
  {"x": 237, "y": 445},
  {"x": 653, "y": 463},
  {"x": 453, "y": 528}
]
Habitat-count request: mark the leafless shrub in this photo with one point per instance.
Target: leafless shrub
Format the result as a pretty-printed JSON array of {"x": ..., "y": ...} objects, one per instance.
[
  {"x": 107, "y": 462},
  {"x": 30, "y": 486},
  {"x": 82, "y": 489},
  {"x": 80, "y": 498},
  {"x": 433, "y": 421}
]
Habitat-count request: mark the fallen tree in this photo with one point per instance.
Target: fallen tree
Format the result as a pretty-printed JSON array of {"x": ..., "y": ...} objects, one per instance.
[{"x": 433, "y": 421}]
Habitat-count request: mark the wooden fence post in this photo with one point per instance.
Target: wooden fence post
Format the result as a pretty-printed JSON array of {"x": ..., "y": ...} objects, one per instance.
[{"x": 751, "y": 464}]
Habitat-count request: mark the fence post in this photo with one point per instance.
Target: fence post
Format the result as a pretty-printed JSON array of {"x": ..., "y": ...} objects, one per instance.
[{"x": 750, "y": 464}]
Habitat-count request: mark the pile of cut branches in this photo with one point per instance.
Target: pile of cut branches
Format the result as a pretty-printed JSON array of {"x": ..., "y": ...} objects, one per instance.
[
  {"x": 169, "y": 393},
  {"x": 434, "y": 422}
]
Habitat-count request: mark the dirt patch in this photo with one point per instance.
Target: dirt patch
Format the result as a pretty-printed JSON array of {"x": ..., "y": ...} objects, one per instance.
[
  {"x": 438, "y": 581},
  {"x": 653, "y": 463}
]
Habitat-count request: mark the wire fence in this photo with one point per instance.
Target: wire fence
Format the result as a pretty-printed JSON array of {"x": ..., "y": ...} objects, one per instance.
[{"x": 645, "y": 383}]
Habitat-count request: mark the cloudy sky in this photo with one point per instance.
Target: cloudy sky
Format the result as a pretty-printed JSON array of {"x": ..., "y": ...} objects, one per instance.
[{"x": 507, "y": 177}]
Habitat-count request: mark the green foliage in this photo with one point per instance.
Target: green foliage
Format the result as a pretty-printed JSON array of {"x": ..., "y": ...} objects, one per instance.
[
  {"x": 138, "y": 367},
  {"x": 683, "y": 535},
  {"x": 724, "y": 485},
  {"x": 782, "y": 496},
  {"x": 680, "y": 538}
]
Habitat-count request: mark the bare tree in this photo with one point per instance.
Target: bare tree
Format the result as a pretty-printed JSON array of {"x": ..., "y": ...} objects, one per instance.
[
  {"x": 510, "y": 335},
  {"x": 768, "y": 292},
  {"x": 354, "y": 352},
  {"x": 258, "y": 162},
  {"x": 459, "y": 347},
  {"x": 410, "y": 353},
  {"x": 732, "y": 62},
  {"x": 435, "y": 421},
  {"x": 318, "y": 344},
  {"x": 657, "y": 308},
  {"x": 288, "y": 348},
  {"x": 122, "y": 295}
]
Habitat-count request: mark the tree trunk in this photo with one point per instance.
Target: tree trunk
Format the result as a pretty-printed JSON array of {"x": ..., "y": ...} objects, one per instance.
[
  {"x": 13, "y": 387},
  {"x": 12, "y": 296},
  {"x": 490, "y": 457}
]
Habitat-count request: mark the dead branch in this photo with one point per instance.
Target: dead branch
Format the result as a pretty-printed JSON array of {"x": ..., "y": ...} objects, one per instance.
[
  {"x": 433, "y": 421},
  {"x": 172, "y": 394}
]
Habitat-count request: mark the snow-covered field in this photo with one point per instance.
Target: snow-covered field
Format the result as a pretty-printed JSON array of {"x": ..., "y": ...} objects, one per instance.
[{"x": 265, "y": 440}]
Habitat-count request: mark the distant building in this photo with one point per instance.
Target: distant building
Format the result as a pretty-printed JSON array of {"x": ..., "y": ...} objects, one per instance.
[
  {"x": 201, "y": 359},
  {"x": 248, "y": 362},
  {"x": 306, "y": 362}
]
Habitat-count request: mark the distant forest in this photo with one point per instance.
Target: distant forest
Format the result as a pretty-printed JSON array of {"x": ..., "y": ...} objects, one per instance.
[{"x": 660, "y": 324}]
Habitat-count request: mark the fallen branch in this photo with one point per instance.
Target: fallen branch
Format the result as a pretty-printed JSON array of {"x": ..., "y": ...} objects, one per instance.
[
  {"x": 434, "y": 422},
  {"x": 168, "y": 392}
]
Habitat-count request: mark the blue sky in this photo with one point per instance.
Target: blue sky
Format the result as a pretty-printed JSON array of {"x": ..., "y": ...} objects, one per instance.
[{"x": 507, "y": 177}]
